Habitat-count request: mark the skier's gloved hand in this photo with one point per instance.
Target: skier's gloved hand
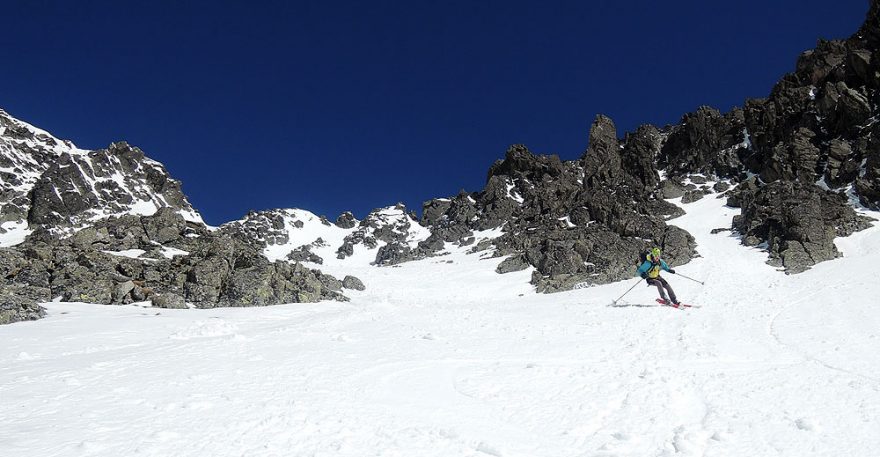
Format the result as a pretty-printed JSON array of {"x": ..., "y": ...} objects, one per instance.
[{"x": 672, "y": 271}]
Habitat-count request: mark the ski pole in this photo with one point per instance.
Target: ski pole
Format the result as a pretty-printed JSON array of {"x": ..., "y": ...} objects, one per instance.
[
  {"x": 631, "y": 288},
  {"x": 692, "y": 279}
]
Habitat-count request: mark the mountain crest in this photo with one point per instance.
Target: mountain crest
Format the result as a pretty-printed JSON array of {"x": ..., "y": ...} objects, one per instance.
[{"x": 50, "y": 183}]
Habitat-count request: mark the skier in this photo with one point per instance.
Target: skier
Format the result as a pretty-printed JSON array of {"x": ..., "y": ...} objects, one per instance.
[{"x": 649, "y": 268}]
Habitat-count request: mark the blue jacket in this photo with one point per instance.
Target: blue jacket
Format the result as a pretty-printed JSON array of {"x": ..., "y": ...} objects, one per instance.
[{"x": 652, "y": 269}]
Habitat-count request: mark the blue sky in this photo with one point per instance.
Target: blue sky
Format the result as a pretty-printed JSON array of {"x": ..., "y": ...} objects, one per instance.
[{"x": 351, "y": 105}]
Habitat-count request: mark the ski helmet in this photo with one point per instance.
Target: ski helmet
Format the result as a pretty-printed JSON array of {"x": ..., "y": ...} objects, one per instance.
[{"x": 655, "y": 253}]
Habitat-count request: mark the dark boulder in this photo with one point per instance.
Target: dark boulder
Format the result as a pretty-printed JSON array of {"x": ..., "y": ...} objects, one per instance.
[
  {"x": 346, "y": 220},
  {"x": 14, "y": 308},
  {"x": 168, "y": 300},
  {"x": 670, "y": 189},
  {"x": 304, "y": 254},
  {"x": 692, "y": 196},
  {"x": 353, "y": 283},
  {"x": 511, "y": 264},
  {"x": 393, "y": 253}
]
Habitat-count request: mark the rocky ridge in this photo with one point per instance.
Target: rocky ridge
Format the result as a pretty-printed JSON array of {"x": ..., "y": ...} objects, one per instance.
[
  {"x": 50, "y": 183},
  {"x": 578, "y": 223},
  {"x": 385, "y": 234},
  {"x": 111, "y": 226},
  {"x": 793, "y": 160}
]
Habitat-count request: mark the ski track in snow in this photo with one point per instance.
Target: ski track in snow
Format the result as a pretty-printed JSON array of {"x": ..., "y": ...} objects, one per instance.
[{"x": 452, "y": 359}]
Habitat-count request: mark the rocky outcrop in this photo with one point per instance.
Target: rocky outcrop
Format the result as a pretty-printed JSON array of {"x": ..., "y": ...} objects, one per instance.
[
  {"x": 52, "y": 184},
  {"x": 817, "y": 130},
  {"x": 21, "y": 288},
  {"x": 394, "y": 231},
  {"x": 346, "y": 220},
  {"x": 798, "y": 222},
  {"x": 262, "y": 228},
  {"x": 304, "y": 254},
  {"x": 77, "y": 188},
  {"x": 820, "y": 121},
  {"x": 639, "y": 155},
  {"x": 162, "y": 258},
  {"x": 14, "y": 309},
  {"x": 706, "y": 142},
  {"x": 602, "y": 162},
  {"x": 576, "y": 222},
  {"x": 353, "y": 283}
]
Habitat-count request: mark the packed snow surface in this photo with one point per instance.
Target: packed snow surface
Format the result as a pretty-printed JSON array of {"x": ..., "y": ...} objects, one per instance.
[
  {"x": 444, "y": 357},
  {"x": 13, "y": 233}
]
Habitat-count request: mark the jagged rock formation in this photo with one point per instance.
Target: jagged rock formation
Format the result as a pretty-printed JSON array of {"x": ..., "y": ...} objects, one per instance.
[
  {"x": 576, "y": 222},
  {"x": 814, "y": 138},
  {"x": 346, "y": 220},
  {"x": 396, "y": 230},
  {"x": 53, "y": 184},
  {"x": 797, "y": 222},
  {"x": 706, "y": 142},
  {"x": 161, "y": 257},
  {"x": 817, "y": 131},
  {"x": 111, "y": 226},
  {"x": 261, "y": 229},
  {"x": 392, "y": 233}
]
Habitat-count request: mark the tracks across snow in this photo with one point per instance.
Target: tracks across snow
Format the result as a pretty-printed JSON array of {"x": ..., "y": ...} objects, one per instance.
[{"x": 452, "y": 359}]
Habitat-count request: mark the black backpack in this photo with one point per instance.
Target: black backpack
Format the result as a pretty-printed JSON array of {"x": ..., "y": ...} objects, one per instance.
[{"x": 643, "y": 256}]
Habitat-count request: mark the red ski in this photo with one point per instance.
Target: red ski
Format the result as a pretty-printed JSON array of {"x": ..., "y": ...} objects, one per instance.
[{"x": 679, "y": 305}]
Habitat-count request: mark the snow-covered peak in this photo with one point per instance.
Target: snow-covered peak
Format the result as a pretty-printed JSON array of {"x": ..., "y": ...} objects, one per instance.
[
  {"x": 45, "y": 181},
  {"x": 19, "y": 132},
  {"x": 394, "y": 224},
  {"x": 290, "y": 227},
  {"x": 298, "y": 235}
]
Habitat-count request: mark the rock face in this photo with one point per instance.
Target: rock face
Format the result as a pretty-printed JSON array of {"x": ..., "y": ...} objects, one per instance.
[
  {"x": 21, "y": 288},
  {"x": 706, "y": 142},
  {"x": 401, "y": 236},
  {"x": 15, "y": 310},
  {"x": 817, "y": 131},
  {"x": 46, "y": 182},
  {"x": 161, "y": 257},
  {"x": 819, "y": 122},
  {"x": 112, "y": 227},
  {"x": 351, "y": 282},
  {"x": 579, "y": 222},
  {"x": 797, "y": 222},
  {"x": 575, "y": 222},
  {"x": 346, "y": 220}
]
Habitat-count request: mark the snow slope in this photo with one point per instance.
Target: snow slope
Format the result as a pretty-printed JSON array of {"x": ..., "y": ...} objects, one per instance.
[
  {"x": 304, "y": 228},
  {"x": 452, "y": 359}
]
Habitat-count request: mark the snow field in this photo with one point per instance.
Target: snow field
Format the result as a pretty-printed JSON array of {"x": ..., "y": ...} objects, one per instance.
[{"x": 452, "y": 359}]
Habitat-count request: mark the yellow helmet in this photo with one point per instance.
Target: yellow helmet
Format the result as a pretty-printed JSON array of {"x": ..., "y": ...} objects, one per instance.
[{"x": 655, "y": 253}]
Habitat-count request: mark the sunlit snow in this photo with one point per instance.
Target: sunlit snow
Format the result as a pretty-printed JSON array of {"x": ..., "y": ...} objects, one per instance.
[{"x": 444, "y": 357}]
